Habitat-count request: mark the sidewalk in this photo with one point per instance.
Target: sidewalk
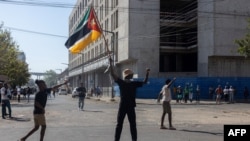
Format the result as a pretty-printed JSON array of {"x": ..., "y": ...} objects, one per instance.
[{"x": 153, "y": 101}]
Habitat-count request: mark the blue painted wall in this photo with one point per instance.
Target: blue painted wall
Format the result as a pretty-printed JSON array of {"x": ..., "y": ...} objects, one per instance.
[{"x": 152, "y": 89}]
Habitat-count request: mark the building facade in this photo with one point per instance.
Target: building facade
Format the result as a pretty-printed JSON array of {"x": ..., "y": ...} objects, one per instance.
[{"x": 191, "y": 38}]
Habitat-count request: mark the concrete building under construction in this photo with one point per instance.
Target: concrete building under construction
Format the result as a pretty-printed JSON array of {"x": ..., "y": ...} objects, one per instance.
[{"x": 191, "y": 38}]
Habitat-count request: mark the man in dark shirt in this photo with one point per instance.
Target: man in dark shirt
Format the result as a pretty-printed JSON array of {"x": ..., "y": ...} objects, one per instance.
[
  {"x": 39, "y": 108},
  {"x": 82, "y": 93},
  {"x": 127, "y": 100}
]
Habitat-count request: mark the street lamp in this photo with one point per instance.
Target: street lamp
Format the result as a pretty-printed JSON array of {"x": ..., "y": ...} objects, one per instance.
[
  {"x": 59, "y": 70},
  {"x": 64, "y": 63}
]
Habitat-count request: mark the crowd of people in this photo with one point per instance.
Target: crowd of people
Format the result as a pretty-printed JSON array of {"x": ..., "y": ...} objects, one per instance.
[
  {"x": 8, "y": 93},
  {"x": 188, "y": 93},
  {"x": 218, "y": 94},
  {"x": 227, "y": 94},
  {"x": 19, "y": 93}
]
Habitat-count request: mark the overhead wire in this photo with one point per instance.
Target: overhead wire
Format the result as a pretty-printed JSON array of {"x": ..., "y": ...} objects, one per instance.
[
  {"x": 34, "y": 32},
  {"x": 128, "y": 9},
  {"x": 131, "y": 10},
  {"x": 37, "y": 3}
]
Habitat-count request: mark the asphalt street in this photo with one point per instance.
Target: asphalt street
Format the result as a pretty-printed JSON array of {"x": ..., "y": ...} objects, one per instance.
[{"x": 202, "y": 122}]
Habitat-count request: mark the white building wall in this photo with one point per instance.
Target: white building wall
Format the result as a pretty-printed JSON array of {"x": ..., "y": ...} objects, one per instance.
[
  {"x": 220, "y": 23},
  {"x": 229, "y": 26},
  {"x": 205, "y": 35},
  {"x": 123, "y": 25},
  {"x": 144, "y": 27}
]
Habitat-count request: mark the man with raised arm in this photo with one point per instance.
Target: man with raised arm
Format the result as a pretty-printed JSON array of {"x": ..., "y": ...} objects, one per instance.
[{"x": 127, "y": 100}]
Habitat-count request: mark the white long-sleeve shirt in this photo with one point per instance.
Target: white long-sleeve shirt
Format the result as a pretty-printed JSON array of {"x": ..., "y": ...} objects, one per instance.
[
  {"x": 4, "y": 96},
  {"x": 166, "y": 93}
]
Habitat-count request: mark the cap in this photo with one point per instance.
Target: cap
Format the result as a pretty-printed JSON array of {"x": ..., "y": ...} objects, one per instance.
[{"x": 127, "y": 72}]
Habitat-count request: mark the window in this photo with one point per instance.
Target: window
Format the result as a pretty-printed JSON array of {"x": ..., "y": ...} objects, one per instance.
[
  {"x": 116, "y": 45},
  {"x": 178, "y": 62},
  {"x": 80, "y": 7},
  {"x": 112, "y": 4},
  {"x": 106, "y": 7},
  {"x": 88, "y": 55},
  {"x": 101, "y": 12},
  {"x": 92, "y": 53},
  {"x": 106, "y": 25},
  {"x": 112, "y": 22},
  {"x": 101, "y": 48},
  {"x": 96, "y": 51},
  {"x": 116, "y": 19}
]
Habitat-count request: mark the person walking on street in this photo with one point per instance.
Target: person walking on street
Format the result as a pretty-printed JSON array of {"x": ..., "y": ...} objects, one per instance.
[
  {"x": 82, "y": 94},
  {"x": 5, "y": 96},
  {"x": 39, "y": 108},
  {"x": 127, "y": 100},
  {"x": 166, "y": 99}
]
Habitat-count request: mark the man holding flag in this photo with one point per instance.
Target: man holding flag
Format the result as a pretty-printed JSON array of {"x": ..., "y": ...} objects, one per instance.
[{"x": 127, "y": 103}]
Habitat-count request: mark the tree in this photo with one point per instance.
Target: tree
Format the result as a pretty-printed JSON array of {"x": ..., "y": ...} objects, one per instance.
[
  {"x": 244, "y": 44},
  {"x": 10, "y": 66},
  {"x": 18, "y": 73},
  {"x": 51, "y": 78}
]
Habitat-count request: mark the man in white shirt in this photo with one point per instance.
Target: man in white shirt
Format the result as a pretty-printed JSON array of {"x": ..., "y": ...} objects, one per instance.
[
  {"x": 166, "y": 99},
  {"x": 5, "y": 92}
]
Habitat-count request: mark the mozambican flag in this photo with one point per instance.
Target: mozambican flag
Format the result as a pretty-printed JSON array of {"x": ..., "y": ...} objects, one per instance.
[{"x": 87, "y": 31}]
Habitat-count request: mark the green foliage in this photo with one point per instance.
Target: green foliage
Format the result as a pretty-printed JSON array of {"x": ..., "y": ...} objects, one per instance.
[
  {"x": 244, "y": 44},
  {"x": 16, "y": 70},
  {"x": 51, "y": 78}
]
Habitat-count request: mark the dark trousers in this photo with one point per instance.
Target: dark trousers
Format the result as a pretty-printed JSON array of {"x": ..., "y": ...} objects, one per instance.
[
  {"x": 130, "y": 111},
  {"x": 81, "y": 102},
  {"x": 6, "y": 103},
  {"x": 186, "y": 98}
]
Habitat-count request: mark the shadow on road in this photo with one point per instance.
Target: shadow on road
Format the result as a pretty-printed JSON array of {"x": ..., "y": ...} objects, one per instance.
[
  {"x": 21, "y": 119},
  {"x": 205, "y": 132},
  {"x": 92, "y": 111},
  {"x": 22, "y": 105}
]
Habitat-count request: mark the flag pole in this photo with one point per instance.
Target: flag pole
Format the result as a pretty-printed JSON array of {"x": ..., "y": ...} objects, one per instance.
[
  {"x": 106, "y": 43},
  {"x": 109, "y": 54}
]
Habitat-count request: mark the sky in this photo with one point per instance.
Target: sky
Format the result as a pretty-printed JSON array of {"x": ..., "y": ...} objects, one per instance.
[{"x": 43, "y": 52}]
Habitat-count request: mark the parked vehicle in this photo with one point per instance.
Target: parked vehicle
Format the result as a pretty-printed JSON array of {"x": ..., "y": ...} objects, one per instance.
[
  {"x": 62, "y": 92},
  {"x": 74, "y": 92}
]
